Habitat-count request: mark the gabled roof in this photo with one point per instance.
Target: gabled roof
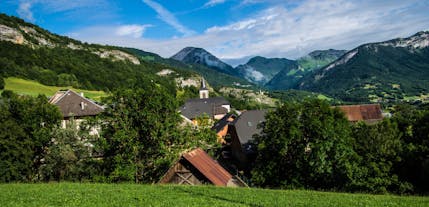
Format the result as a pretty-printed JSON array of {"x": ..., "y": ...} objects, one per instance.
[
  {"x": 215, "y": 173},
  {"x": 223, "y": 122},
  {"x": 366, "y": 112},
  {"x": 246, "y": 125},
  {"x": 70, "y": 104},
  {"x": 209, "y": 106}
]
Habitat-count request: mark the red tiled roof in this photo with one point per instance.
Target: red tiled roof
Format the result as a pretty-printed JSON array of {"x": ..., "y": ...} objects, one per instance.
[
  {"x": 367, "y": 112},
  {"x": 208, "y": 167}
]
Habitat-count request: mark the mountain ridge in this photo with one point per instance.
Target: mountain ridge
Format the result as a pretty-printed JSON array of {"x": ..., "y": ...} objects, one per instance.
[{"x": 377, "y": 72}]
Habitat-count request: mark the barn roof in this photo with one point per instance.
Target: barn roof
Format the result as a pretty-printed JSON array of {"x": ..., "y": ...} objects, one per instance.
[
  {"x": 208, "y": 167},
  {"x": 366, "y": 112},
  {"x": 246, "y": 125},
  {"x": 209, "y": 106},
  {"x": 72, "y": 104}
]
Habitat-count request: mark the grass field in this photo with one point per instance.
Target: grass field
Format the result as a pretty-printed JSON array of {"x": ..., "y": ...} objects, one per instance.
[
  {"x": 34, "y": 88},
  {"x": 75, "y": 194}
]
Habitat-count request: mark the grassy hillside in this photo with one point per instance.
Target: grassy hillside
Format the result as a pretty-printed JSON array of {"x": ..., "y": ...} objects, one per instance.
[
  {"x": 74, "y": 194},
  {"x": 34, "y": 88}
]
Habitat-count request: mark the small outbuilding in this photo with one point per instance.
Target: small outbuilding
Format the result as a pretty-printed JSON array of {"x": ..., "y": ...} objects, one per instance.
[
  {"x": 196, "y": 168},
  {"x": 368, "y": 113}
]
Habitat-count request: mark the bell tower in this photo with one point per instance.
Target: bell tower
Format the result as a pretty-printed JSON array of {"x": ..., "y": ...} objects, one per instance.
[{"x": 204, "y": 92}]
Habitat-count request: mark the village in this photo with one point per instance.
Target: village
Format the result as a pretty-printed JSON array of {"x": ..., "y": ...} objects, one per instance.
[{"x": 235, "y": 131}]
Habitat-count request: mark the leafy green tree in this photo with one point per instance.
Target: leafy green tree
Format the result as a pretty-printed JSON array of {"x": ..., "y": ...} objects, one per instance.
[
  {"x": 379, "y": 147},
  {"x": 414, "y": 167},
  {"x": 68, "y": 155},
  {"x": 139, "y": 124},
  {"x": 67, "y": 80},
  {"x": 1, "y": 82},
  {"x": 26, "y": 124},
  {"x": 306, "y": 145}
]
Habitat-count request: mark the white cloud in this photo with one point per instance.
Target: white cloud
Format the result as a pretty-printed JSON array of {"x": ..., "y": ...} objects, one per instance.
[
  {"x": 133, "y": 30},
  {"x": 168, "y": 17},
  {"x": 24, "y": 11},
  {"x": 280, "y": 31},
  {"x": 54, "y": 6},
  {"x": 110, "y": 33},
  {"x": 212, "y": 3}
]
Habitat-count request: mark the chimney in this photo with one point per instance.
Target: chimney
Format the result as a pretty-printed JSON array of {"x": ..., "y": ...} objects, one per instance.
[
  {"x": 82, "y": 105},
  {"x": 81, "y": 94}
]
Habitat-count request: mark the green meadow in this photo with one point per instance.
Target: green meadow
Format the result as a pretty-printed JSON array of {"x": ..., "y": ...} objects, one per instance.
[
  {"x": 77, "y": 194},
  {"x": 33, "y": 88}
]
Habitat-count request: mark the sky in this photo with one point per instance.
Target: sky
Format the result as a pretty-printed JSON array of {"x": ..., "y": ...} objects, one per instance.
[{"x": 233, "y": 30}]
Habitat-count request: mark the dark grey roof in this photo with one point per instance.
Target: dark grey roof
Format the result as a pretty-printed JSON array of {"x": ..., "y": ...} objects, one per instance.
[
  {"x": 70, "y": 104},
  {"x": 210, "y": 106},
  {"x": 246, "y": 125},
  {"x": 223, "y": 122}
]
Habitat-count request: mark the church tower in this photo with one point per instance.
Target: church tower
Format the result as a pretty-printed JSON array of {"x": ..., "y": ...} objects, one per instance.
[{"x": 204, "y": 92}]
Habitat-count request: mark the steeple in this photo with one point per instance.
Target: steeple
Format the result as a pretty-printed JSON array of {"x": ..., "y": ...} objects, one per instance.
[
  {"x": 204, "y": 92},
  {"x": 203, "y": 84}
]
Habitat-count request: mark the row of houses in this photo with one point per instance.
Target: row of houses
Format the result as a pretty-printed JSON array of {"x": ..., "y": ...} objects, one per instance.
[{"x": 235, "y": 132}]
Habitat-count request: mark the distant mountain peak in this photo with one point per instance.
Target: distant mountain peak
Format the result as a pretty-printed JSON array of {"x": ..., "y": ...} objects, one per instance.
[{"x": 194, "y": 55}]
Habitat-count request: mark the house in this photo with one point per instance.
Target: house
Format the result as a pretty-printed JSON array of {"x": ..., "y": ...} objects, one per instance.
[
  {"x": 368, "y": 113},
  {"x": 221, "y": 127},
  {"x": 215, "y": 108},
  {"x": 74, "y": 106},
  {"x": 196, "y": 168},
  {"x": 241, "y": 131}
]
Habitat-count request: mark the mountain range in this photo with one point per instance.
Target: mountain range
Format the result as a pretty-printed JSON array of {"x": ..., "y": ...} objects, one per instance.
[
  {"x": 273, "y": 73},
  {"x": 386, "y": 71},
  {"x": 393, "y": 70}
]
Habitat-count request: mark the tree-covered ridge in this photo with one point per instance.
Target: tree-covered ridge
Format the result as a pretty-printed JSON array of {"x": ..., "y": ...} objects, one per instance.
[
  {"x": 78, "y": 68},
  {"x": 289, "y": 77}
]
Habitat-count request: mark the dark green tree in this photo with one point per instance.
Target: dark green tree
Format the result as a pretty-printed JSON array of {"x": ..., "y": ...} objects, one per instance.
[
  {"x": 139, "y": 124},
  {"x": 379, "y": 147},
  {"x": 306, "y": 145},
  {"x": 414, "y": 125},
  {"x": 69, "y": 155},
  {"x": 26, "y": 124},
  {"x": 1, "y": 82}
]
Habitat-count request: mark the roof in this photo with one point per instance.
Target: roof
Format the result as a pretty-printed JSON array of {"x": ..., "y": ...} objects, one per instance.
[
  {"x": 73, "y": 104},
  {"x": 210, "y": 106},
  {"x": 223, "y": 122},
  {"x": 214, "y": 172},
  {"x": 366, "y": 112},
  {"x": 246, "y": 125}
]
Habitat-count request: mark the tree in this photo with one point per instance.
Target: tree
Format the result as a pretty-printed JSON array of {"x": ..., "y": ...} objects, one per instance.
[
  {"x": 26, "y": 124},
  {"x": 1, "y": 82},
  {"x": 307, "y": 145},
  {"x": 379, "y": 147},
  {"x": 139, "y": 124},
  {"x": 68, "y": 155}
]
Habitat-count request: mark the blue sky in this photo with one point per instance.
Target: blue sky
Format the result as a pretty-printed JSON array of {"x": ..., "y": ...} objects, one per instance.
[{"x": 233, "y": 30}]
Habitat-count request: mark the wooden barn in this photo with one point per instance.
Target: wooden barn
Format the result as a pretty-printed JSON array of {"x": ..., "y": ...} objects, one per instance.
[
  {"x": 197, "y": 168},
  {"x": 368, "y": 113}
]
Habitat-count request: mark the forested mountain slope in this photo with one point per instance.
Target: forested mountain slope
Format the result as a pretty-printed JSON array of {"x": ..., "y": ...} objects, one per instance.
[{"x": 378, "y": 72}]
